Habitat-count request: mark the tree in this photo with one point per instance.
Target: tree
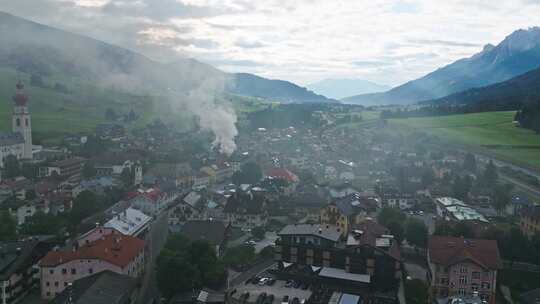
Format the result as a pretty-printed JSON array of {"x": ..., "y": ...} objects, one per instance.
[
  {"x": 110, "y": 115},
  {"x": 388, "y": 215},
  {"x": 258, "y": 233},
  {"x": 416, "y": 233},
  {"x": 170, "y": 265},
  {"x": 12, "y": 167},
  {"x": 93, "y": 146},
  {"x": 29, "y": 170},
  {"x": 193, "y": 264},
  {"x": 416, "y": 291},
  {"x": 239, "y": 256},
  {"x": 41, "y": 224},
  {"x": 502, "y": 195},
  {"x": 89, "y": 170},
  {"x": 84, "y": 205},
  {"x": 250, "y": 173},
  {"x": 428, "y": 177},
  {"x": 470, "y": 162},
  {"x": 461, "y": 187},
  {"x": 8, "y": 226},
  {"x": 490, "y": 174},
  {"x": 36, "y": 81},
  {"x": 462, "y": 229},
  {"x": 127, "y": 176},
  {"x": 396, "y": 229}
]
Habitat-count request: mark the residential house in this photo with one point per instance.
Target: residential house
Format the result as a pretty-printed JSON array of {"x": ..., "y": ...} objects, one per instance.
[
  {"x": 463, "y": 268},
  {"x": 19, "y": 272},
  {"x": 117, "y": 253},
  {"x": 245, "y": 208},
  {"x": 530, "y": 220},
  {"x": 365, "y": 261},
  {"x": 152, "y": 200},
  {"x": 65, "y": 168},
  {"x": 346, "y": 211},
  {"x": 114, "y": 163},
  {"x": 517, "y": 204}
]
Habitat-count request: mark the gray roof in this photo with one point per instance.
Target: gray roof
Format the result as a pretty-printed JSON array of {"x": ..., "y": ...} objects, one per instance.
[
  {"x": 531, "y": 296},
  {"x": 11, "y": 138},
  {"x": 335, "y": 273},
  {"x": 328, "y": 232},
  {"x": 211, "y": 231},
  {"x": 105, "y": 287}
]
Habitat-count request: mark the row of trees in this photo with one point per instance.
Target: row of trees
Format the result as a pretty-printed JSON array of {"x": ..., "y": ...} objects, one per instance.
[
  {"x": 450, "y": 109},
  {"x": 529, "y": 117}
]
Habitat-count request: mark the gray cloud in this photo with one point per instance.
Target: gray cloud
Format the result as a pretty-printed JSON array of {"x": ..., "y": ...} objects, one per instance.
[
  {"x": 246, "y": 44},
  {"x": 371, "y": 64},
  {"x": 444, "y": 42}
]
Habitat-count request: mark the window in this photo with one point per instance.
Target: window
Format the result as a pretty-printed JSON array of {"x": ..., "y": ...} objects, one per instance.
[
  {"x": 486, "y": 285},
  {"x": 463, "y": 270},
  {"x": 90, "y": 271},
  {"x": 18, "y": 122},
  {"x": 51, "y": 271},
  {"x": 48, "y": 293},
  {"x": 476, "y": 275},
  {"x": 474, "y": 287},
  {"x": 26, "y": 122},
  {"x": 65, "y": 284},
  {"x": 462, "y": 280},
  {"x": 461, "y": 291},
  {"x": 444, "y": 281},
  {"x": 56, "y": 284},
  {"x": 73, "y": 271},
  {"x": 64, "y": 271},
  {"x": 47, "y": 284}
]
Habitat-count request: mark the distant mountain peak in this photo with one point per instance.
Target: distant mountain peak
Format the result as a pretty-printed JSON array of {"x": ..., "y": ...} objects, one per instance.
[
  {"x": 522, "y": 40},
  {"x": 488, "y": 47}
]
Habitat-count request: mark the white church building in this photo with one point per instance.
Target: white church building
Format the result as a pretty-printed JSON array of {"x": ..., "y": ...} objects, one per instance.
[{"x": 19, "y": 141}]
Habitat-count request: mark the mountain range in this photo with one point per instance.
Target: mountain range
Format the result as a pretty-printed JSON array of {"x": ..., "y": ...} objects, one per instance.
[
  {"x": 518, "y": 53},
  {"x": 341, "y": 88},
  {"x": 41, "y": 50},
  {"x": 524, "y": 88}
]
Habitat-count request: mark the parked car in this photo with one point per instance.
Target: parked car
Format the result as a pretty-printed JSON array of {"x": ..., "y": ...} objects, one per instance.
[
  {"x": 289, "y": 283},
  {"x": 263, "y": 281}
]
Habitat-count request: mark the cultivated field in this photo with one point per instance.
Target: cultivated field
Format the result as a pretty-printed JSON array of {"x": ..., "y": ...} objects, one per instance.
[{"x": 492, "y": 132}]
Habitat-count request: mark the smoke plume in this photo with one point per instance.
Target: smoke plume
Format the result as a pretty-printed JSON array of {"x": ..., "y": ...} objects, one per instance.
[{"x": 215, "y": 114}]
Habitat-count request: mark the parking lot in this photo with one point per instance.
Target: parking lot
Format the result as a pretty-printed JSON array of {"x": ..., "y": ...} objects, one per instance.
[{"x": 278, "y": 289}]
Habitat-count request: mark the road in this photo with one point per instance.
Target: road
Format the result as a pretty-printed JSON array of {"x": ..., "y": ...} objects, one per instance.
[
  {"x": 156, "y": 238},
  {"x": 255, "y": 270}
]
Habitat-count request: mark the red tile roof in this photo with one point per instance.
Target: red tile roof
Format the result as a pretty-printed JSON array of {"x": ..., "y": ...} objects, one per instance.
[
  {"x": 116, "y": 249},
  {"x": 282, "y": 173},
  {"x": 448, "y": 251},
  {"x": 153, "y": 194}
]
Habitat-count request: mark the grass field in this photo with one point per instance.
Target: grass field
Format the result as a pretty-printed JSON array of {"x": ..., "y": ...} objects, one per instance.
[{"x": 479, "y": 130}]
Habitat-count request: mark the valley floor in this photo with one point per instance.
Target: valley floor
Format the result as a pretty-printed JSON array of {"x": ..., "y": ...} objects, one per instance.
[{"x": 490, "y": 132}]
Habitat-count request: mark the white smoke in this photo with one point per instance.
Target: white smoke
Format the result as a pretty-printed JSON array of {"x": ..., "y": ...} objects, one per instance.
[{"x": 215, "y": 114}]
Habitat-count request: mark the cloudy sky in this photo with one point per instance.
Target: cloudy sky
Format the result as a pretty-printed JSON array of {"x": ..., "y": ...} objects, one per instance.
[{"x": 385, "y": 41}]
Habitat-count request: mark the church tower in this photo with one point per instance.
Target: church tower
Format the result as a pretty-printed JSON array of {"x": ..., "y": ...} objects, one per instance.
[{"x": 21, "y": 121}]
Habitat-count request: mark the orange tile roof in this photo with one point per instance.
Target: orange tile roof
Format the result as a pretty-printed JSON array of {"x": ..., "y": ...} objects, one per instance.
[{"x": 118, "y": 250}]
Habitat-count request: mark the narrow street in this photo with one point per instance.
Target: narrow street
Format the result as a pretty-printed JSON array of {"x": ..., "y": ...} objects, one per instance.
[{"x": 156, "y": 238}]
